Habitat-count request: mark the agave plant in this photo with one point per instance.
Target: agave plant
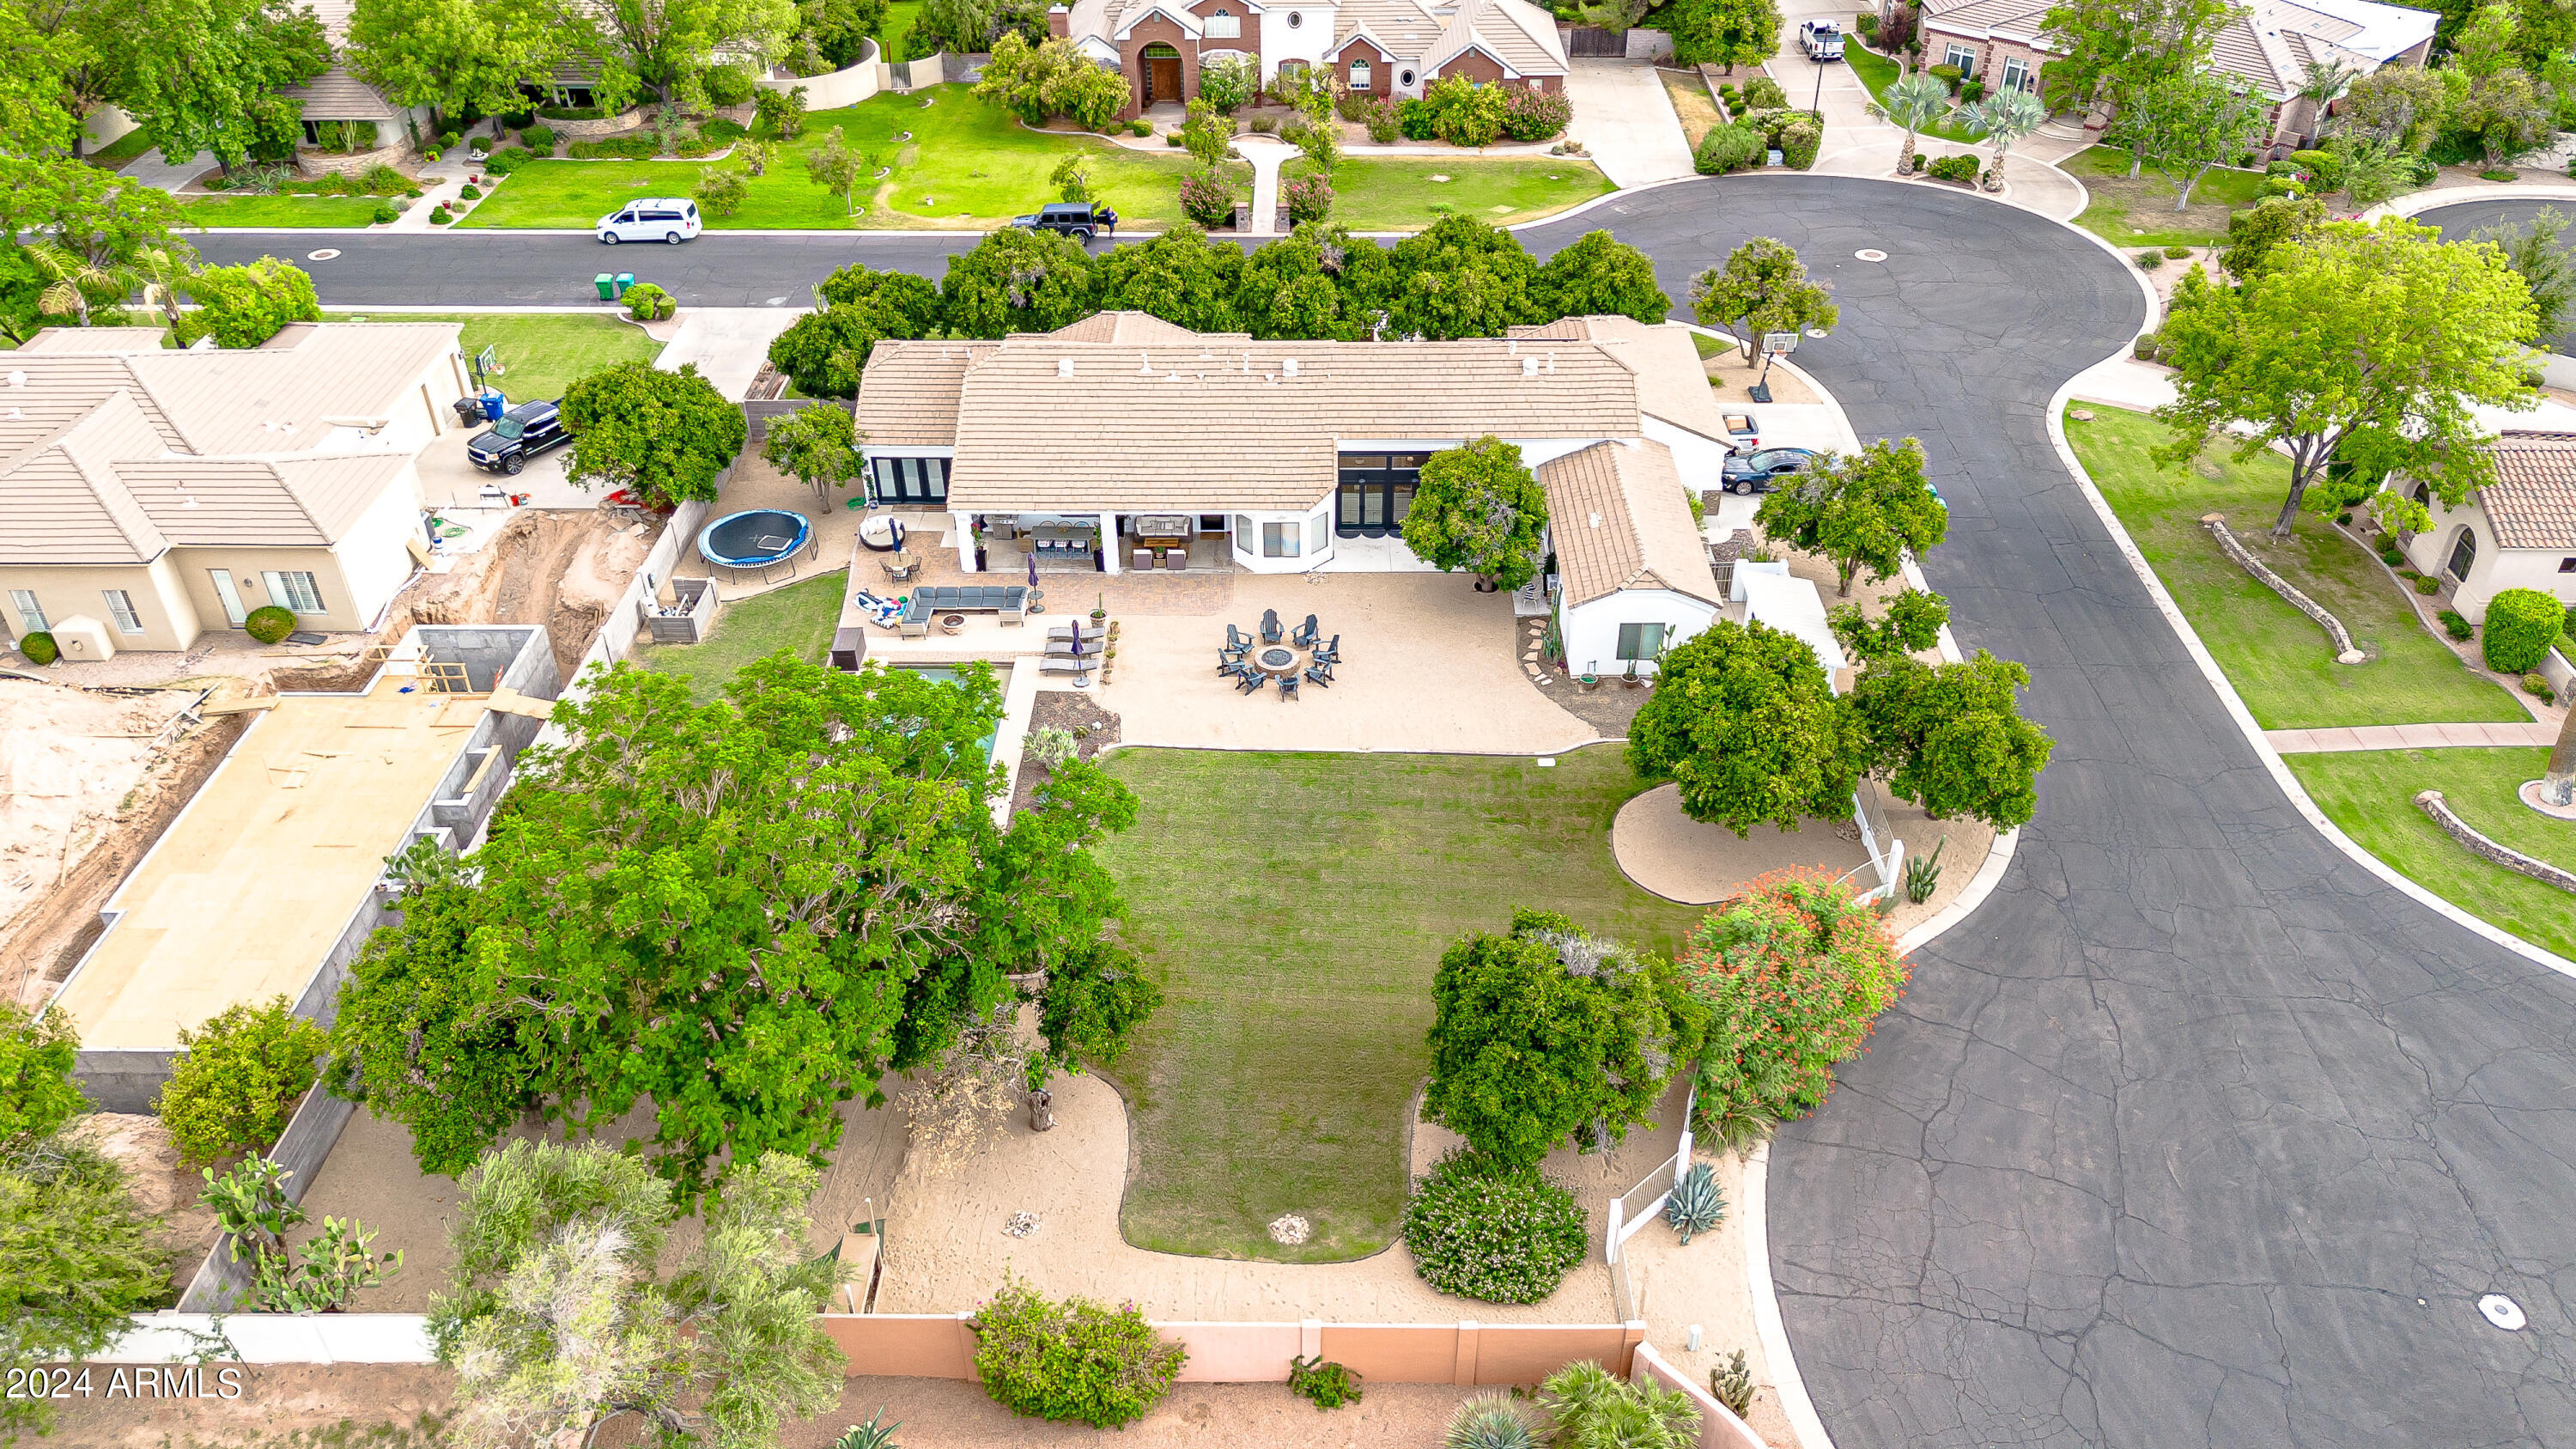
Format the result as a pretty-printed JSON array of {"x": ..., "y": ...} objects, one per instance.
[
  {"x": 1696, "y": 1204},
  {"x": 1915, "y": 102},
  {"x": 1489, "y": 1421},
  {"x": 1923, "y": 874},
  {"x": 874, "y": 1435}
]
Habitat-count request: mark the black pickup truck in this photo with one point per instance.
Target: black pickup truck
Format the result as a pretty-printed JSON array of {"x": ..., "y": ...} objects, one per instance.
[{"x": 522, "y": 433}]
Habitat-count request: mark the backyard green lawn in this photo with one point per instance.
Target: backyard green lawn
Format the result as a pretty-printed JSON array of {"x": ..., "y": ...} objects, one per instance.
[
  {"x": 1383, "y": 195},
  {"x": 541, "y": 353},
  {"x": 297, "y": 211},
  {"x": 897, "y": 24},
  {"x": 1294, "y": 908},
  {"x": 799, "y": 618},
  {"x": 2141, "y": 213},
  {"x": 969, "y": 165},
  {"x": 2279, "y": 660},
  {"x": 2371, "y": 795}
]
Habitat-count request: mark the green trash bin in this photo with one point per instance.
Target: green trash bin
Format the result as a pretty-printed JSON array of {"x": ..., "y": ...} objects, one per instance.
[
  {"x": 624, "y": 281},
  {"x": 607, "y": 286}
]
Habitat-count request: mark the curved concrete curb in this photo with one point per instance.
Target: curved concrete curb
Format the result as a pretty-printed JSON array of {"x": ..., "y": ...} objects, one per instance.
[{"x": 2416, "y": 203}]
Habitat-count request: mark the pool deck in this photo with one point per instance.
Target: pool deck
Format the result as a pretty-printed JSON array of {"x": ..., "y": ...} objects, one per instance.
[{"x": 251, "y": 887}]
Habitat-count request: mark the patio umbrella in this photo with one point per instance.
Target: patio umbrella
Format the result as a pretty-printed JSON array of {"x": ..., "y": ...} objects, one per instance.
[{"x": 1033, "y": 569}]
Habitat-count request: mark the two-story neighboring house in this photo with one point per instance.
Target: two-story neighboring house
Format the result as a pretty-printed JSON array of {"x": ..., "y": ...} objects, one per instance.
[
  {"x": 2275, "y": 45},
  {"x": 1375, "y": 47},
  {"x": 159, "y": 494}
]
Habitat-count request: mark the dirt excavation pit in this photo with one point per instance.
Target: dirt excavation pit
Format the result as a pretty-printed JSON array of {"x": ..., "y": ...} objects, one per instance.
[
  {"x": 88, "y": 780},
  {"x": 563, "y": 569}
]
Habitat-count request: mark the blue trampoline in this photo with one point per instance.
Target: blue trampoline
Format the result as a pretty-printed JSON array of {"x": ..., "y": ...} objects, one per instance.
[{"x": 757, "y": 538}]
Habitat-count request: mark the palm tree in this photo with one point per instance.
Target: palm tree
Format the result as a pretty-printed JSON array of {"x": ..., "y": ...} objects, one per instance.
[
  {"x": 2325, "y": 84},
  {"x": 1916, "y": 101},
  {"x": 167, "y": 269},
  {"x": 74, "y": 279},
  {"x": 2004, "y": 117}
]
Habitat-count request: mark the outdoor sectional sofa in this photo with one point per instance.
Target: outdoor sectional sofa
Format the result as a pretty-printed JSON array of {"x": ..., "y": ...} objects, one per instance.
[{"x": 1009, "y": 601}]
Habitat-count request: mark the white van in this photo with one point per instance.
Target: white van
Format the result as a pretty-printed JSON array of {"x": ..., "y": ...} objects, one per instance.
[{"x": 672, "y": 219}]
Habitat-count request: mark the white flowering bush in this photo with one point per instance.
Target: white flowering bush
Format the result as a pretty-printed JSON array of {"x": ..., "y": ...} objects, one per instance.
[{"x": 1482, "y": 1228}]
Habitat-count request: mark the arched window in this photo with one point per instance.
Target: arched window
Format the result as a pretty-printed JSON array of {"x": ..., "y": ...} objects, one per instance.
[
  {"x": 1223, "y": 25},
  {"x": 1360, "y": 75},
  {"x": 2464, "y": 555}
]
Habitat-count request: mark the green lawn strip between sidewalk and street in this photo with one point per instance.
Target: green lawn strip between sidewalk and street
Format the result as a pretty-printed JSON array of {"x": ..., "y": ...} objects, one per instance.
[
  {"x": 2370, "y": 795},
  {"x": 969, "y": 165},
  {"x": 124, "y": 148},
  {"x": 799, "y": 618},
  {"x": 1399, "y": 193},
  {"x": 542, "y": 353},
  {"x": 2279, "y": 660},
  {"x": 282, "y": 210},
  {"x": 2140, "y": 212},
  {"x": 1294, "y": 908}
]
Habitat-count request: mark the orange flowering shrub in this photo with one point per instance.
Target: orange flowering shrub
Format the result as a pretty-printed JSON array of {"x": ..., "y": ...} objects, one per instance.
[{"x": 1795, "y": 973}]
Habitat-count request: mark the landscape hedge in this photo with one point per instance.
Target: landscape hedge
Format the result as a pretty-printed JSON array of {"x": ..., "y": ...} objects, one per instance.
[{"x": 2520, "y": 624}]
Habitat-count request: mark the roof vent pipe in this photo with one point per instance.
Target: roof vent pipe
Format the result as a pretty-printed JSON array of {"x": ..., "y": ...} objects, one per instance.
[
  {"x": 1288, "y": 367},
  {"x": 1064, "y": 367},
  {"x": 1529, "y": 367}
]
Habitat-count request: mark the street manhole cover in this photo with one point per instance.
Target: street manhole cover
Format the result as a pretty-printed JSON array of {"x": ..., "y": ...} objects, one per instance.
[
  {"x": 2503, "y": 1312},
  {"x": 1870, "y": 254},
  {"x": 324, "y": 255},
  {"x": 1816, "y": 332}
]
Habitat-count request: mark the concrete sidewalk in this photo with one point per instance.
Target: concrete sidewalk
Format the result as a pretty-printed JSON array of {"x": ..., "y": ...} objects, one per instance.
[
  {"x": 1626, "y": 122},
  {"x": 2411, "y": 737}
]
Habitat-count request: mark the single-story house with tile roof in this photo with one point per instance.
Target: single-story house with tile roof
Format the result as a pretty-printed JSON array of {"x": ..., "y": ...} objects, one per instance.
[
  {"x": 1633, "y": 578},
  {"x": 1376, "y": 47},
  {"x": 338, "y": 94},
  {"x": 2518, "y": 532},
  {"x": 1133, "y": 432},
  {"x": 2273, "y": 44},
  {"x": 156, "y": 494}
]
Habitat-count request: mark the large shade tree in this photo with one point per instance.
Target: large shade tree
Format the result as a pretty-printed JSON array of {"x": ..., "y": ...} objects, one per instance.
[
  {"x": 1546, "y": 1032},
  {"x": 453, "y": 56},
  {"x": 1462, "y": 277},
  {"x": 2365, "y": 345},
  {"x": 1601, "y": 276},
  {"x": 1863, "y": 511},
  {"x": 212, "y": 76},
  {"x": 665, "y": 435},
  {"x": 1763, "y": 287},
  {"x": 1478, "y": 507},
  {"x": 662, "y": 49},
  {"x": 747, "y": 912},
  {"x": 1744, "y": 721}
]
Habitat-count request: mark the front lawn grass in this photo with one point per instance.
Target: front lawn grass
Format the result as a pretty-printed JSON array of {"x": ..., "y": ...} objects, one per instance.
[
  {"x": 1294, "y": 908},
  {"x": 296, "y": 211},
  {"x": 2280, "y": 661},
  {"x": 2371, "y": 795},
  {"x": 1877, "y": 73},
  {"x": 968, "y": 165},
  {"x": 897, "y": 24},
  {"x": 2141, "y": 213},
  {"x": 1401, "y": 194},
  {"x": 124, "y": 148},
  {"x": 799, "y": 618},
  {"x": 541, "y": 353}
]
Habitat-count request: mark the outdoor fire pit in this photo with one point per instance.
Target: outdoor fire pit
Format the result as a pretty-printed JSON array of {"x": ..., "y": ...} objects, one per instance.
[
  {"x": 1276, "y": 660},
  {"x": 951, "y": 623}
]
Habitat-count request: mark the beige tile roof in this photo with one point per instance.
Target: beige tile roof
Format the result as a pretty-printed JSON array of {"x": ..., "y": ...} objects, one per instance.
[
  {"x": 1131, "y": 328},
  {"x": 336, "y": 95},
  {"x": 100, "y": 454},
  {"x": 277, "y": 502},
  {"x": 1671, "y": 383},
  {"x": 1508, "y": 30},
  {"x": 1618, "y": 519},
  {"x": 908, "y": 393},
  {"x": 59, "y": 340},
  {"x": 1215, "y": 423},
  {"x": 2532, "y": 502}
]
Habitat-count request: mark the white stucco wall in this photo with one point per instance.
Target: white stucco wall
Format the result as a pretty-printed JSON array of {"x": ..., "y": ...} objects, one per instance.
[
  {"x": 1700, "y": 461},
  {"x": 1306, "y": 40},
  {"x": 2495, "y": 570},
  {"x": 374, "y": 563},
  {"x": 1591, "y": 631}
]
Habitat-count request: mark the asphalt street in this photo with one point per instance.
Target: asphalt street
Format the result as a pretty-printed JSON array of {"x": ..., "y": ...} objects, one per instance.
[{"x": 2195, "y": 1133}]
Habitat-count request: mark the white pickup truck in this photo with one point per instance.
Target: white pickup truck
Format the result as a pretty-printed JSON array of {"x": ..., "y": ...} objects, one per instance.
[{"x": 1822, "y": 40}]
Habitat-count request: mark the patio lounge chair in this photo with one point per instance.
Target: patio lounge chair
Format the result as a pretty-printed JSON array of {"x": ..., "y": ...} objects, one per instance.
[
  {"x": 1306, "y": 634},
  {"x": 1320, "y": 674},
  {"x": 1287, "y": 686},
  {"x": 1330, "y": 653},
  {"x": 1085, "y": 665},
  {"x": 1067, "y": 649},
  {"x": 1251, "y": 682},
  {"x": 1235, "y": 642},
  {"x": 1270, "y": 629},
  {"x": 1235, "y": 667}
]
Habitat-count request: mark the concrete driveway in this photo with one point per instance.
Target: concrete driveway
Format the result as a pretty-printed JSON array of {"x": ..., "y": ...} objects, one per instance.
[{"x": 1623, "y": 118}]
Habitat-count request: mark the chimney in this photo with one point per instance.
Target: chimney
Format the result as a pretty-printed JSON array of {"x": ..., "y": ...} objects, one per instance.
[{"x": 1059, "y": 21}]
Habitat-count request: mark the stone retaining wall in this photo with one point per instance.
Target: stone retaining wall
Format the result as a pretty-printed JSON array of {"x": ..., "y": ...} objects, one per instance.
[
  {"x": 2345, "y": 653},
  {"x": 2432, "y": 803},
  {"x": 353, "y": 163}
]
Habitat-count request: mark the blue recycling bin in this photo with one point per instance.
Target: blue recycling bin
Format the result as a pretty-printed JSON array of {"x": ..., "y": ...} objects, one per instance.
[{"x": 493, "y": 404}]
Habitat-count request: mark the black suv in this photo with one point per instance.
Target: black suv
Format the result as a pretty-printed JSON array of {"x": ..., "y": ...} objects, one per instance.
[
  {"x": 1080, "y": 220},
  {"x": 522, "y": 433}
]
